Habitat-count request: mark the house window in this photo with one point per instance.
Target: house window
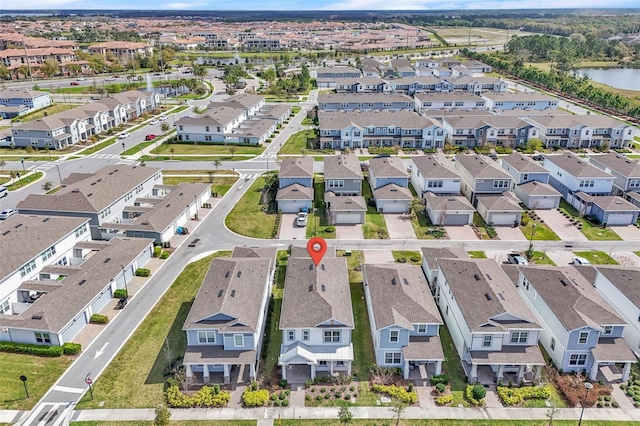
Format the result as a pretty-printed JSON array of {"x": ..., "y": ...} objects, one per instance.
[
  {"x": 583, "y": 337},
  {"x": 392, "y": 357},
  {"x": 336, "y": 184},
  {"x": 28, "y": 268},
  {"x": 394, "y": 336},
  {"x": 206, "y": 337},
  {"x": 578, "y": 359},
  {"x": 422, "y": 328},
  {"x": 291, "y": 334},
  {"x": 519, "y": 336},
  {"x": 332, "y": 336},
  {"x": 486, "y": 341},
  {"x": 48, "y": 253},
  {"x": 5, "y": 306},
  {"x": 607, "y": 329},
  {"x": 43, "y": 337},
  {"x": 500, "y": 183},
  {"x": 553, "y": 344},
  {"x": 525, "y": 176},
  {"x": 238, "y": 340},
  {"x": 434, "y": 184},
  {"x": 305, "y": 335}
]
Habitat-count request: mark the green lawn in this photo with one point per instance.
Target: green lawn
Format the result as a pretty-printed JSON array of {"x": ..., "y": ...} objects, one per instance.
[
  {"x": 541, "y": 258},
  {"x": 481, "y": 226},
  {"x": 134, "y": 379},
  {"x": 408, "y": 255},
  {"x": 182, "y": 149},
  {"x": 477, "y": 254},
  {"x": 273, "y": 339},
  {"x": 219, "y": 185},
  {"x": 247, "y": 216},
  {"x": 298, "y": 143},
  {"x": 453, "y": 368},
  {"x": 590, "y": 230},
  {"x": 455, "y": 422},
  {"x": 597, "y": 257},
  {"x": 541, "y": 231},
  {"x": 317, "y": 222},
  {"x": 105, "y": 143},
  {"x": 421, "y": 223},
  {"x": 361, "y": 337},
  {"x": 374, "y": 225},
  {"x": 171, "y": 423},
  {"x": 41, "y": 373},
  {"x": 24, "y": 181}
]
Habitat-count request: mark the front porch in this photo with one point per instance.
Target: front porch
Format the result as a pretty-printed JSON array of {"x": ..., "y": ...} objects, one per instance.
[
  {"x": 524, "y": 363},
  {"x": 609, "y": 352},
  {"x": 208, "y": 360},
  {"x": 318, "y": 359},
  {"x": 239, "y": 375},
  {"x": 421, "y": 352}
]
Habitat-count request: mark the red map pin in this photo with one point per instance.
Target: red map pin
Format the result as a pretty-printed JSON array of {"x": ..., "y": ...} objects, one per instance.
[{"x": 317, "y": 247}]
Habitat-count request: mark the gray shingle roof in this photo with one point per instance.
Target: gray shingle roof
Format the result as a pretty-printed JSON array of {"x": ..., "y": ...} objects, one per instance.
[
  {"x": 447, "y": 96},
  {"x": 503, "y": 202},
  {"x": 518, "y": 96},
  {"x": 423, "y": 348},
  {"x": 232, "y": 287},
  {"x": 32, "y": 235},
  {"x": 342, "y": 167},
  {"x": 316, "y": 295},
  {"x": 625, "y": 279},
  {"x": 400, "y": 296},
  {"x": 523, "y": 164},
  {"x": 484, "y": 292},
  {"x": 448, "y": 202},
  {"x": 346, "y": 203},
  {"x": 216, "y": 354},
  {"x": 392, "y": 191},
  {"x": 611, "y": 349},
  {"x": 481, "y": 167},
  {"x": 576, "y": 166},
  {"x": 388, "y": 167},
  {"x": 298, "y": 251},
  {"x": 403, "y": 118},
  {"x": 215, "y": 116},
  {"x": 264, "y": 252},
  {"x": 363, "y": 97},
  {"x": 539, "y": 188},
  {"x": 435, "y": 166},
  {"x": 297, "y": 167},
  {"x": 295, "y": 192},
  {"x": 509, "y": 354},
  {"x": 627, "y": 167}
]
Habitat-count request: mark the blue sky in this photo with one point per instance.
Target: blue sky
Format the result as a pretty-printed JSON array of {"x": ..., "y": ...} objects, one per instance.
[{"x": 316, "y": 5}]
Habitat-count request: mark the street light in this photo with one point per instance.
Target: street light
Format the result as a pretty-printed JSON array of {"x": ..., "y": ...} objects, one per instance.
[
  {"x": 124, "y": 277},
  {"x": 588, "y": 386},
  {"x": 123, "y": 147},
  {"x": 530, "y": 250},
  {"x": 24, "y": 382}
]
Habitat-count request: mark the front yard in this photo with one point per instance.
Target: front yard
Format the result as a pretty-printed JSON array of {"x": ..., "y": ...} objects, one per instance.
[
  {"x": 300, "y": 143},
  {"x": 421, "y": 223},
  {"x": 374, "y": 225},
  {"x": 317, "y": 221},
  {"x": 590, "y": 230},
  {"x": 219, "y": 185},
  {"x": 597, "y": 257},
  {"x": 535, "y": 229},
  {"x": 541, "y": 258},
  {"x": 136, "y": 377},
  {"x": 254, "y": 215},
  {"x": 406, "y": 256}
]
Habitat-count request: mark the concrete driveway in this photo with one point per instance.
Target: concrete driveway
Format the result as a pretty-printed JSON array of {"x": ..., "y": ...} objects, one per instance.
[
  {"x": 289, "y": 230},
  {"x": 399, "y": 227},
  {"x": 626, "y": 258},
  {"x": 378, "y": 256},
  {"x": 628, "y": 233},
  {"x": 561, "y": 258},
  {"x": 349, "y": 232},
  {"x": 461, "y": 233},
  {"x": 509, "y": 233},
  {"x": 561, "y": 226}
]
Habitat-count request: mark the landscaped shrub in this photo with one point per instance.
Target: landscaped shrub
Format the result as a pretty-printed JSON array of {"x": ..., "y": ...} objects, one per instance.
[
  {"x": 156, "y": 251},
  {"x": 327, "y": 396},
  {"x": 71, "y": 348},
  {"x": 440, "y": 388},
  {"x": 515, "y": 396},
  {"x": 347, "y": 397},
  {"x": 415, "y": 259},
  {"x": 207, "y": 396},
  {"x": 444, "y": 399},
  {"x": 319, "y": 398},
  {"x": 470, "y": 394},
  {"x": 441, "y": 378},
  {"x": 397, "y": 392},
  {"x": 285, "y": 403},
  {"x": 274, "y": 396},
  {"x": 257, "y": 398},
  {"x": 142, "y": 272},
  {"x": 99, "y": 319},
  {"x": 282, "y": 396},
  {"x": 282, "y": 383},
  {"x": 277, "y": 403},
  {"x": 165, "y": 255},
  {"x": 120, "y": 293},
  {"x": 25, "y": 348}
]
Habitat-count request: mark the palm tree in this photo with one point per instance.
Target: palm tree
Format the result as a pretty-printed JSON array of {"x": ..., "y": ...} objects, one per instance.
[
  {"x": 232, "y": 150},
  {"x": 172, "y": 150},
  {"x": 216, "y": 164}
]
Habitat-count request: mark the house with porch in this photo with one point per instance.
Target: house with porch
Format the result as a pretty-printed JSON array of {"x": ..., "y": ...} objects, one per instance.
[
  {"x": 493, "y": 330},
  {"x": 295, "y": 180},
  {"x": 481, "y": 175},
  {"x": 581, "y": 330},
  {"x": 226, "y": 322},
  {"x": 582, "y": 131},
  {"x": 316, "y": 319},
  {"x": 404, "y": 319},
  {"x": 364, "y": 102},
  {"x": 625, "y": 171},
  {"x": 343, "y": 175}
]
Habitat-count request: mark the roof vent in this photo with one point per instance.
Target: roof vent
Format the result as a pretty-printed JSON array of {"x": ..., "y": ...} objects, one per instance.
[
  {"x": 489, "y": 277},
  {"x": 107, "y": 260},
  {"x": 36, "y": 317},
  {"x": 93, "y": 183},
  {"x": 6, "y": 232},
  {"x": 564, "y": 282},
  {"x": 76, "y": 191},
  {"x": 393, "y": 281},
  {"x": 233, "y": 293},
  {"x": 500, "y": 296},
  {"x": 17, "y": 226},
  {"x": 227, "y": 274},
  {"x": 488, "y": 296},
  {"x": 220, "y": 293},
  {"x": 322, "y": 266},
  {"x": 477, "y": 277},
  {"x": 90, "y": 194},
  {"x": 406, "y": 281},
  {"x": 239, "y": 273},
  {"x": 311, "y": 287},
  {"x": 323, "y": 287},
  {"x": 82, "y": 282},
  {"x": 311, "y": 267},
  {"x": 46, "y": 219},
  {"x": 181, "y": 193}
]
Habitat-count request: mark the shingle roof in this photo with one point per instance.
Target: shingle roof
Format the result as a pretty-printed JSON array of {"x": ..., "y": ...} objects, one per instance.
[
  {"x": 432, "y": 254},
  {"x": 435, "y": 166},
  {"x": 625, "y": 279},
  {"x": 611, "y": 349},
  {"x": 363, "y": 97},
  {"x": 509, "y": 354},
  {"x": 216, "y": 116},
  {"x": 404, "y": 119},
  {"x": 392, "y": 191},
  {"x": 618, "y": 163},
  {"x": 500, "y": 202},
  {"x": 32, "y": 235},
  {"x": 314, "y": 295},
  {"x": 423, "y": 348},
  {"x": 447, "y": 96},
  {"x": 296, "y": 167},
  {"x": 448, "y": 202},
  {"x": 342, "y": 167},
  {"x": 233, "y": 288},
  {"x": 483, "y": 293},
  {"x": 217, "y": 354},
  {"x": 539, "y": 189},
  {"x": 345, "y": 202},
  {"x": 523, "y": 164},
  {"x": 295, "y": 192},
  {"x": 481, "y": 167},
  {"x": 518, "y": 96},
  {"x": 400, "y": 296},
  {"x": 297, "y": 251},
  {"x": 576, "y": 166},
  {"x": 388, "y": 167}
]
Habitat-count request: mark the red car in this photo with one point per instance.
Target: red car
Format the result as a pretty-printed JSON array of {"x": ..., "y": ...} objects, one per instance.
[
  {"x": 74, "y": 83},
  {"x": 149, "y": 137}
]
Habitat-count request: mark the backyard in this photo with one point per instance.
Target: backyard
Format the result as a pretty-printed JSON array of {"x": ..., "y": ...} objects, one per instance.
[
  {"x": 273, "y": 337},
  {"x": 374, "y": 226},
  {"x": 136, "y": 377}
]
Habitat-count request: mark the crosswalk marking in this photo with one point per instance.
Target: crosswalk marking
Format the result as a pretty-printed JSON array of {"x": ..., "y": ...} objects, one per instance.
[{"x": 68, "y": 389}]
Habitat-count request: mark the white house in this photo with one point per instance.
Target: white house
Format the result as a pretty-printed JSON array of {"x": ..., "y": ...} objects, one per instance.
[{"x": 434, "y": 173}]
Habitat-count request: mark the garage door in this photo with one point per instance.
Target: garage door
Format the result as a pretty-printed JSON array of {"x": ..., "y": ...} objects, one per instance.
[
  {"x": 456, "y": 219},
  {"x": 348, "y": 218},
  {"x": 391, "y": 207},
  {"x": 503, "y": 218},
  {"x": 101, "y": 301},
  {"x": 76, "y": 326},
  {"x": 620, "y": 219},
  {"x": 293, "y": 206},
  {"x": 544, "y": 203}
]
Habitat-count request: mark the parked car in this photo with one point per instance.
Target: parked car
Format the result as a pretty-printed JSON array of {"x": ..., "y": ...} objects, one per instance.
[
  {"x": 122, "y": 303},
  {"x": 150, "y": 137},
  {"x": 81, "y": 79},
  {"x": 110, "y": 79},
  {"x": 301, "y": 220},
  {"x": 154, "y": 121},
  {"x": 517, "y": 259},
  {"x": 74, "y": 83},
  {"x": 162, "y": 118},
  {"x": 123, "y": 135},
  {"x": 6, "y": 214},
  {"x": 3, "y": 192},
  {"x": 577, "y": 260}
]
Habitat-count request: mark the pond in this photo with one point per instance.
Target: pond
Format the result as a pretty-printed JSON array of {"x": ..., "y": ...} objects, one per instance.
[{"x": 621, "y": 78}]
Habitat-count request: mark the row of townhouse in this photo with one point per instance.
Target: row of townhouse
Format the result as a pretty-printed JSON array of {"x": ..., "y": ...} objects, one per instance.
[
  {"x": 242, "y": 119},
  {"x": 411, "y": 85},
  {"x": 66, "y": 128},
  {"x": 20, "y": 101}
]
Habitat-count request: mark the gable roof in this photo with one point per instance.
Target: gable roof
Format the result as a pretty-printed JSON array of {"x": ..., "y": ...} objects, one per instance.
[
  {"x": 297, "y": 167},
  {"x": 294, "y": 192},
  {"x": 500, "y": 202},
  {"x": 576, "y": 166},
  {"x": 618, "y": 163},
  {"x": 523, "y": 164},
  {"x": 400, "y": 296},
  {"x": 448, "y": 202},
  {"x": 342, "y": 167},
  {"x": 481, "y": 167},
  {"x": 388, "y": 167},
  {"x": 435, "y": 166},
  {"x": 316, "y": 294},
  {"x": 625, "y": 279},
  {"x": 538, "y": 188}
]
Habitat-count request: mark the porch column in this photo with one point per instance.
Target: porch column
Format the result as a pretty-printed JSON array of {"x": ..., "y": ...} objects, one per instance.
[
  {"x": 625, "y": 371},
  {"x": 331, "y": 368},
  {"x": 500, "y": 375},
  {"x": 594, "y": 370},
  {"x": 284, "y": 372},
  {"x": 313, "y": 371},
  {"x": 406, "y": 369},
  {"x": 188, "y": 370},
  {"x": 252, "y": 371},
  {"x": 538, "y": 371},
  {"x": 474, "y": 373},
  {"x": 349, "y": 368},
  {"x": 438, "y": 368},
  {"x": 520, "y": 373},
  {"x": 226, "y": 374},
  {"x": 205, "y": 373}
]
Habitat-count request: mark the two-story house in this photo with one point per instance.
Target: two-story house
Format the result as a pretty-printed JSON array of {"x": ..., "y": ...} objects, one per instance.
[
  {"x": 481, "y": 175},
  {"x": 531, "y": 182},
  {"x": 626, "y": 171},
  {"x": 582, "y": 131},
  {"x": 327, "y": 77},
  {"x": 520, "y": 100},
  {"x": 316, "y": 319},
  {"x": 493, "y": 330},
  {"x": 21, "y": 101},
  {"x": 434, "y": 173},
  {"x": 482, "y": 129},
  {"x": 389, "y": 182},
  {"x": 343, "y": 188},
  {"x": 570, "y": 174},
  {"x": 581, "y": 330},
  {"x": 364, "y": 102},
  {"x": 226, "y": 322},
  {"x": 404, "y": 319},
  {"x": 295, "y": 180},
  {"x": 362, "y": 85},
  {"x": 447, "y": 101}
]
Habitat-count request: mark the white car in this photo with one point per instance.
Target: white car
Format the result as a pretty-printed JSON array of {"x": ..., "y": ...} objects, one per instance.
[
  {"x": 123, "y": 135},
  {"x": 162, "y": 118},
  {"x": 81, "y": 79},
  {"x": 580, "y": 261},
  {"x": 154, "y": 121},
  {"x": 6, "y": 214},
  {"x": 301, "y": 220},
  {"x": 110, "y": 79}
]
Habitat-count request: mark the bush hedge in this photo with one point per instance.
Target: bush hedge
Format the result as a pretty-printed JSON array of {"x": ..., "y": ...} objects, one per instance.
[
  {"x": 25, "y": 348},
  {"x": 164, "y": 255},
  {"x": 142, "y": 272},
  {"x": 157, "y": 251},
  {"x": 515, "y": 396},
  {"x": 71, "y": 348},
  {"x": 99, "y": 319},
  {"x": 207, "y": 396},
  {"x": 255, "y": 398},
  {"x": 119, "y": 293},
  {"x": 441, "y": 378},
  {"x": 444, "y": 400},
  {"x": 474, "y": 395},
  {"x": 397, "y": 392}
]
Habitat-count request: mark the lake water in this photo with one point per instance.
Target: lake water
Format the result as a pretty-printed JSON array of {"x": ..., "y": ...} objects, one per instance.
[{"x": 622, "y": 78}]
